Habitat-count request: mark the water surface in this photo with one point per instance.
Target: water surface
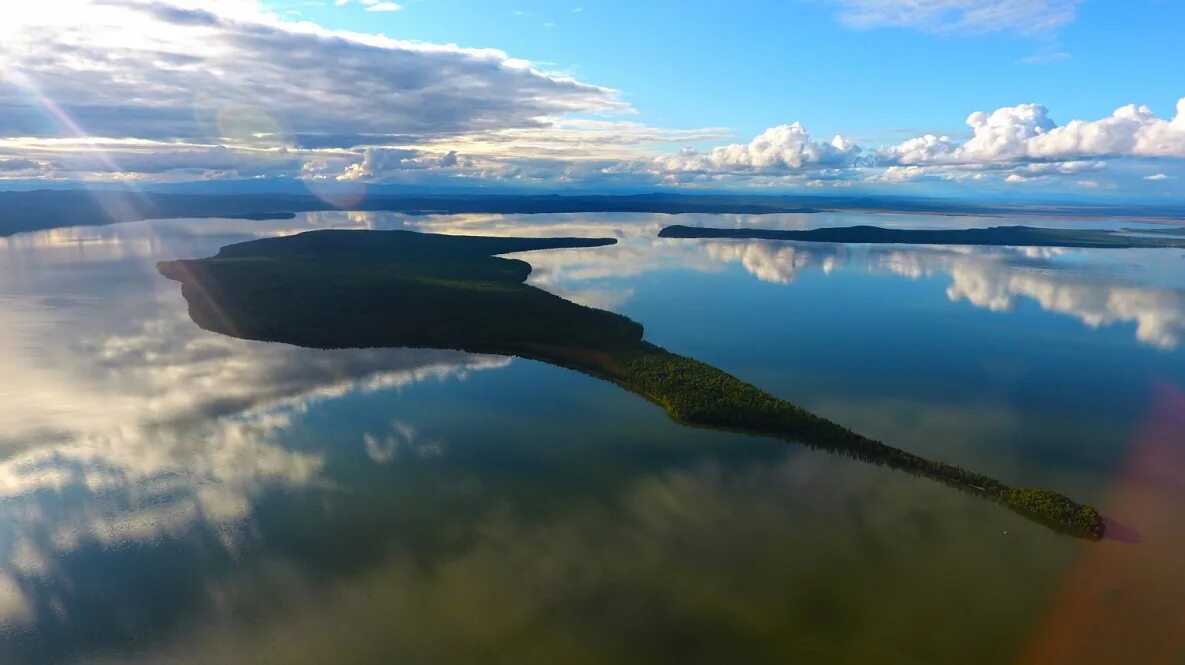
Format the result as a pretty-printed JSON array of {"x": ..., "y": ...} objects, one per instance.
[{"x": 172, "y": 495}]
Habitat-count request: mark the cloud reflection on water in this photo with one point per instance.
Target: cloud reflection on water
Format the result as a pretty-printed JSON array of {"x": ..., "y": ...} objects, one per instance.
[
  {"x": 1120, "y": 286},
  {"x": 123, "y": 423},
  {"x": 721, "y": 561}
]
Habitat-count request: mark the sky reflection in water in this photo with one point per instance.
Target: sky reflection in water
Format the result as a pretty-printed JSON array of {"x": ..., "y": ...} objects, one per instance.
[{"x": 171, "y": 495}]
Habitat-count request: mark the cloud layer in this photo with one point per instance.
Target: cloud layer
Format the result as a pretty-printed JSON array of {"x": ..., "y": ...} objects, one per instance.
[
  {"x": 1026, "y": 17},
  {"x": 169, "y": 72},
  {"x": 169, "y": 90}
]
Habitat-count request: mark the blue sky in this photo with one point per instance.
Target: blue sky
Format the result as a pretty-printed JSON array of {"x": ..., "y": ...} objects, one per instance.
[
  {"x": 594, "y": 94},
  {"x": 752, "y": 65}
]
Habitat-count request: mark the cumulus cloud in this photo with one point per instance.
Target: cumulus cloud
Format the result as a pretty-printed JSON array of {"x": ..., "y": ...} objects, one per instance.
[
  {"x": 780, "y": 147},
  {"x": 1011, "y": 144},
  {"x": 1026, "y": 17},
  {"x": 379, "y": 161},
  {"x": 1027, "y": 133}
]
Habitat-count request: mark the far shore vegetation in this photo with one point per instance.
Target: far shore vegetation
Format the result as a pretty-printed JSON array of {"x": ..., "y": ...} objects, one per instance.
[
  {"x": 351, "y": 289},
  {"x": 1016, "y": 236}
]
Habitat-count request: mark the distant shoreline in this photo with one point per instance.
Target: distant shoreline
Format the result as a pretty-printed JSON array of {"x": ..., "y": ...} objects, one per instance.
[
  {"x": 34, "y": 210},
  {"x": 996, "y": 236}
]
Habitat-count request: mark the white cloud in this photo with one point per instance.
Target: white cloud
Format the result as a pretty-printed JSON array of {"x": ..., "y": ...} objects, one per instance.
[
  {"x": 780, "y": 147},
  {"x": 1044, "y": 58},
  {"x": 1026, "y": 17},
  {"x": 895, "y": 174},
  {"x": 1027, "y": 133},
  {"x": 1023, "y": 144},
  {"x": 377, "y": 162},
  {"x": 1013, "y": 144},
  {"x": 375, "y": 6},
  {"x": 1155, "y": 177}
]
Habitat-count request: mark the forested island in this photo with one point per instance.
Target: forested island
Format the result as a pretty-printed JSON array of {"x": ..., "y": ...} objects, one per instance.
[
  {"x": 356, "y": 289},
  {"x": 1016, "y": 236},
  {"x": 1162, "y": 231}
]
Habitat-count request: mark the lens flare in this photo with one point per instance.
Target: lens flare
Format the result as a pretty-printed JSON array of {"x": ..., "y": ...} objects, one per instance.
[
  {"x": 1124, "y": 599},
  {"x": 115, "y": 208}
]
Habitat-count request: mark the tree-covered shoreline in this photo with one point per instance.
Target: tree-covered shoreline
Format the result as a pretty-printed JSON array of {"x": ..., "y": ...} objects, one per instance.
[{"x": 995, "y": 236}]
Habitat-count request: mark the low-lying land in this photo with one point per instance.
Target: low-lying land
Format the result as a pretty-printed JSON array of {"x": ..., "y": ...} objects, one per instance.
[
  {"x": 1016, "y": 236},
  {"x": 339, "y": 289},
  {"x": 1162, "y": 231},
  {"x": 22, "y": 211},
  {"x": 45, "y": 209}
]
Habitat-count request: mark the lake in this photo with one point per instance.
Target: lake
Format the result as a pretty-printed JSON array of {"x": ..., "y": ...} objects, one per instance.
[{"x": 170, "y": 495}]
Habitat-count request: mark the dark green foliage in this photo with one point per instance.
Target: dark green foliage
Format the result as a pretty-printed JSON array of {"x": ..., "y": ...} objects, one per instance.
[
  {"x": 1018, "y": 236},
  {"x": 1056, "y": 508},
  {"x": 1162, "y": 231},
  {"x": 336, "y": 289}
]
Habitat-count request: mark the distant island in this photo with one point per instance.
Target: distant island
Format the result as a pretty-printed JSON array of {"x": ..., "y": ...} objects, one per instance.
[
  {"x": 1164, "y": 231},
  {"x": 356, "y": 289},
  {"x": 1015, "y": 236}
]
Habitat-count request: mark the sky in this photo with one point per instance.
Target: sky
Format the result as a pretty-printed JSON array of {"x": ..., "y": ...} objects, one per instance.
[{"x": 959, "y": 98}]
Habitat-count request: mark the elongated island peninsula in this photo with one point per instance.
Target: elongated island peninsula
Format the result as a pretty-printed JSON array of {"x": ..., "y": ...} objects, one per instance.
[{"x": 355, "y": 289}]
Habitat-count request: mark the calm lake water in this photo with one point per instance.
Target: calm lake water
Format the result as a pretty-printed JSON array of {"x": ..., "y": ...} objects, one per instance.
[{"x": 169, "y": 495}]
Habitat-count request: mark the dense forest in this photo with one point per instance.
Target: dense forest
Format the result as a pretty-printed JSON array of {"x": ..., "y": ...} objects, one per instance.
[
  {"x": 1016, "y": 236},
  {"x": 338, "y": 289}
]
